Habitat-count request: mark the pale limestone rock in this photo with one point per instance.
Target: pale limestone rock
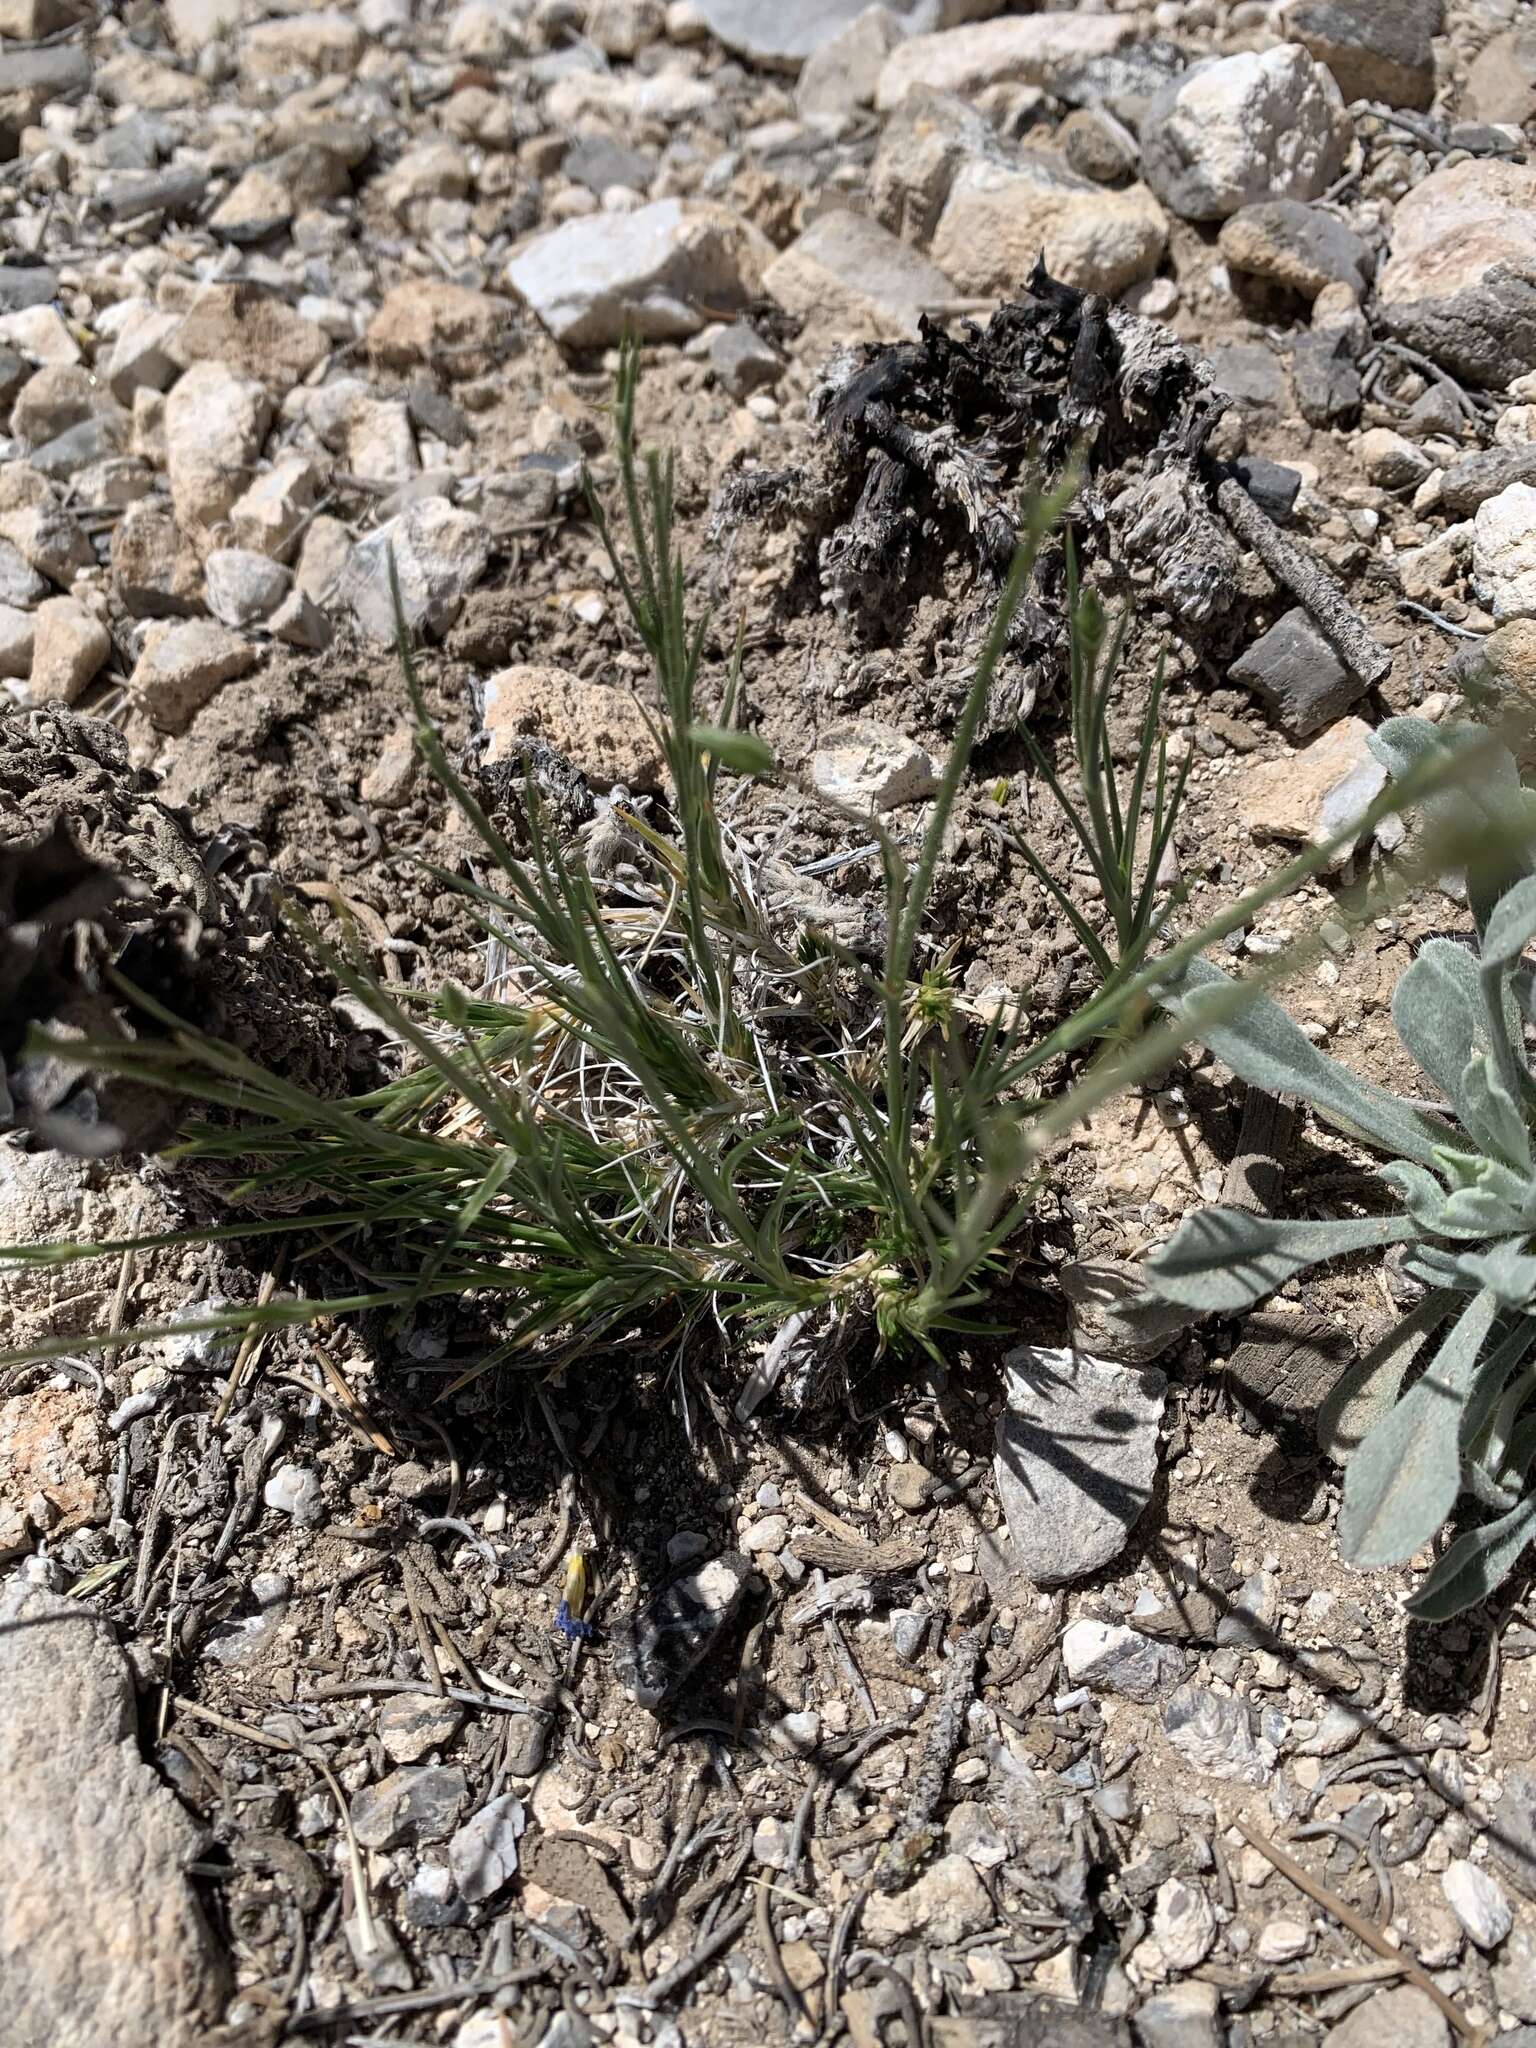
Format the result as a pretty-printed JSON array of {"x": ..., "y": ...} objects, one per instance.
[
  {"x": 600, "y": 728},
  {"x": 1001, "y": 216},
  {"x": 215, "y": 423},
  {"x": 70, "y": 648},
  {"x": 662, "y": 271},
  {"x": 1459, "y": 282},
  {"x": 183, "y": 664},
  {"x": 851, "y": 279},
  {"x": 1028, "y": 49},
  {"x": 1258, "y": 125}
]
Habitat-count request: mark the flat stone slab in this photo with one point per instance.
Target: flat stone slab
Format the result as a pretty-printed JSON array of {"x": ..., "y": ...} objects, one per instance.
[{"x": 1076, "y": 1458}]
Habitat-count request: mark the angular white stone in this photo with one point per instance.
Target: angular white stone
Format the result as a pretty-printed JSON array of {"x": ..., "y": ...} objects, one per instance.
[
  {"x": 1019, "y": 49},
  {"x": 1504, "y": 552},
  {"x": 662, "y": 271},
  {"x": 1477, "y": 1899},
  {"x": 873, "y": 768},
  {"x": 1259, "y": 125}
]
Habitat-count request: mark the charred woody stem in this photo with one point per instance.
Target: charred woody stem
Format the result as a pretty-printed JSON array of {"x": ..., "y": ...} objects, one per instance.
[{"x": 1307, "y": 581}]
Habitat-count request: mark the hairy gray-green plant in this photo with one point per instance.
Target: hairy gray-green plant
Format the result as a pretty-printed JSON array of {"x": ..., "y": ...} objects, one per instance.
[
  {"x": 665, "y": 1111},
  {"x": 1444, "y": 1403}
]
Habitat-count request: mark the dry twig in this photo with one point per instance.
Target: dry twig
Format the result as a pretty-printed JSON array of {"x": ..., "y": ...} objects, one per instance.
[{"x": 1362, "y": 1929}]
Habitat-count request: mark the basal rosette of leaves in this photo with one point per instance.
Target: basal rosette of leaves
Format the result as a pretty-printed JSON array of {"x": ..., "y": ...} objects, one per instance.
[{"x": 1445, "y": 1405}]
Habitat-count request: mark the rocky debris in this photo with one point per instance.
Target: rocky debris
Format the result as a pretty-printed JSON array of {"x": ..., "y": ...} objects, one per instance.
[
  {"x": 410, "y": 1806},
  {"x": 1070, "y": 1511},
  {"x": 24, "y": 285},
  {"x": 271, "y": 515},
  {"x": 41, "y": 333},
  {"x": 946, "y": 1904},
  {"x": 872, "y": 768},
  {"x": 1116, "y": 1659},
  {"x": 743, "y": 361},
  {"x": 1316, "y": 793},
  {"x": 388, "y": 782},
  {"x": 1376, "y": 49},
  {"x": 182, "y": 664},
  {"x": 1249, "y": 1622},
  {"x": 447, "y": 328},
  {"x": 18, "y": 635},
  {"x": 1504, "y": 552},
  {"x": 1283, "y": 1941},
  {"x": 241, "y": 1640},
  {"x": 40, "y": 529},
  {"x": 296, "y": 1491},
  {"x": 70, "y": 647},
  {"x": 141, "y": 357},
  {"x": 1403, "y": 2016},
  {"x": 1513, "y": 1838},
  {"x": 842, "y": 75},
  {"x": 155, "y": 569},
  {"x": 1514, "y": 1975},
  {"x": 1297, "y": 676},
  {"x": 440, "y": 553},
  {"x": 1212, "y": 1732},
  {"x": 1500, "y": 83},
  {"x": 55, "y": 398},
  {"x": 1459, "y": 283},
  {"x": 854, "y": 280},
  {"x": 432, "y": 170},
  {"x": 216, "y": 420},
  {"x": 251, "y": 332},
  {"x": 1256, "y": 126},
  {"x": 1391, "y": 460},
  {"x": 660, "y": 271},
  {"x": 1499, "y": 676},
  {"x": 601, "y": 727},
  {"x": 1483, "y": 474},
  {"x": 20, "y": 584},
  {"x": 923, "y": 144},
  {"x": 139, "y": 197},
  {"x": 526, "y": 1738},
  {"x": 51, "y": 1450},
  {"x": 1251, "y": 376},
  {"x": 1478, "y": 1900},
  {"x": 34, "y": 77},
  {"x": 1036, "y": 49},
  {"x": 243, "y": 588},
  {"x": 104, "y": 1944},
  {"x": 1000, "y": 216},
  {"x": 483, "y": 1854},
  {"x": 656, "y": 1649},
  {"x": 1303, "y": 248},
  {"x": 1112, "y": 1315},
  {"x": 784, "y": 36},
  {"x": 47, "y": 1196},
  {"x": 1098, "y": 146},
  {"x": 1180, "y": 2016},
  {"x": 1183, "y": 1926},
  {"x": 301, "y": 46}
]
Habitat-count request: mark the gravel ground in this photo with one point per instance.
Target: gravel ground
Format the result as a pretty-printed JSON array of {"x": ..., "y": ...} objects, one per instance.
[{"x": 893, "y": 1721}]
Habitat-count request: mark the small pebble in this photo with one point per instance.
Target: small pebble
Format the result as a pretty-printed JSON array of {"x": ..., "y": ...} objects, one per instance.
[
  {"x": 295, "y": 1490},
  {"x": 1282, "y": 1941},
  {"x": 1477, "y": 1899}
]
